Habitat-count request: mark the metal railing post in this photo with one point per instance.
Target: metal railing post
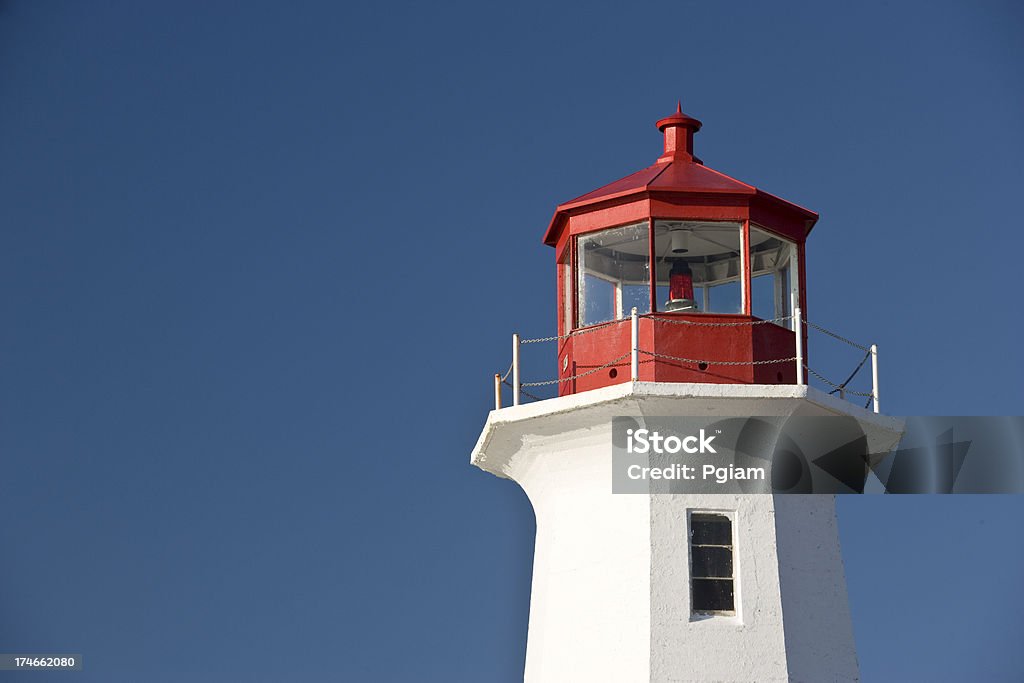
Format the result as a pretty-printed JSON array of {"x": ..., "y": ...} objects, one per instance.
[
  {"x": 497, "y": 391},
  {"x": 874, "y": 376},
  {"x": 634, "y": 349},
  {"x": 515, "y": 369},
  {"x": 798, "y": 327}
]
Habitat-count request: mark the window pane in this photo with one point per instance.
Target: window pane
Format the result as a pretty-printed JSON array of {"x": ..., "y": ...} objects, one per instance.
[
  {"x": 636, "y": 295},
  {"x": 772, "y": 263},
  {"x": 726, "y": 297},
  {"x": 712, "y": 595},
  {"x": 711, "y": 562},
  {"x": 614, "y": 273},
  {"x": 762, "y": 295},
  {"x": 710, "y": 530},
  {"x": 598, "y": 297},
  {"x": 698, "y": 266}
]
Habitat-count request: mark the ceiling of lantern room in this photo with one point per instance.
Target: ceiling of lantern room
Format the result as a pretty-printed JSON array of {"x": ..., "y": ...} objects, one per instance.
[{"x": 704, "y": 238}]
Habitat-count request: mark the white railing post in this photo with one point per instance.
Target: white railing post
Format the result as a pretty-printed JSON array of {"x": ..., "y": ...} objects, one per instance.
[
  {"x": 634, "y": 349},
  {"x": 874, "y": 376},
  {"x": 497, "y": 391},
  {"x": 515, "y": 369},
  {"x": 798, "y": 327}
]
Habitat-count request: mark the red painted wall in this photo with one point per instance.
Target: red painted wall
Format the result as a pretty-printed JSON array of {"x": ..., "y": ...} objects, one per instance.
[{"x": 587, "y": 350}]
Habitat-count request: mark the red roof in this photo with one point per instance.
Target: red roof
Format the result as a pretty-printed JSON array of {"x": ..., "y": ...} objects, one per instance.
[
  {"x": 666, "y": 176},
  {"x": 676, "y": 171}
]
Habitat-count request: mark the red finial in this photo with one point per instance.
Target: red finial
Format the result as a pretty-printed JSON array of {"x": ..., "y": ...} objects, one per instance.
[{"x": 678, "y": 129}]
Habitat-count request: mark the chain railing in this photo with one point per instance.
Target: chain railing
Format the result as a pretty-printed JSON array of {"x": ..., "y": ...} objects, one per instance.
[
  {"x": 695, "y": 323},
  {"x": 517, "y": 385},
  {"x": 574, "y": 333}
]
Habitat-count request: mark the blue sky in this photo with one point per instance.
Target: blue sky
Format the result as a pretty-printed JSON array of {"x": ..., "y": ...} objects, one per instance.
[{"x": 260, "y": 260}]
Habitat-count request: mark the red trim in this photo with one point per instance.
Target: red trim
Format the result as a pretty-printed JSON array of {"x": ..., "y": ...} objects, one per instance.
[
  {"x": 651, "y": 265},
  {"x": 574, "y": 298},
  {"x": 801, "y": 266},
  {"x": 560, "y": 308},
  {"x": 774, "y": 213},
  {"x": 748, "y": 305}
]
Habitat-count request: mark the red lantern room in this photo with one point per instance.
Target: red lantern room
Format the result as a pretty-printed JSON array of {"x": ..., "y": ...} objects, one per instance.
[{"x": 714, "y": 267}]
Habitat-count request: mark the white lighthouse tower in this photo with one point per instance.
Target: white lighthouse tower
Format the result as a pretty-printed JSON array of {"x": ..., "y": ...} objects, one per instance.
[{"x": 680, "y": 292}]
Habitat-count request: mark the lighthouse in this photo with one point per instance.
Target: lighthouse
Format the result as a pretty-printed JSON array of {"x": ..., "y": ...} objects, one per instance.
[{"x": 680, "y": 291}]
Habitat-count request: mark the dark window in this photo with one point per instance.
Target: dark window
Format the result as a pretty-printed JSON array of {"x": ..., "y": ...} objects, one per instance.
[{"x": 711, "y": 563}]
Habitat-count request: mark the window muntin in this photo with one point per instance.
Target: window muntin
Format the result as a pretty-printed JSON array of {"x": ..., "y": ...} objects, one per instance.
[
  {"x": 613, "y": 273},
  {"x": 711, "y": 564},
  {"x": 773, "y": 268},
  {"x": 703, "y": 257}
]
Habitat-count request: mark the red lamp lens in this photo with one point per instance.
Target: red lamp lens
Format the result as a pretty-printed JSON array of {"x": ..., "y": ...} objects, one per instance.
[{"x": 680, "y": 286}]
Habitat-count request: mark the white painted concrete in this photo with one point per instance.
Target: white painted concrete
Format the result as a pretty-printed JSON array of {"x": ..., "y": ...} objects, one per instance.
[
  {"x": 611, "y": 598},
  {"x": 747, "y": 647},
  {"x": 819, "y": 633},
  {"x": 589, "y": 616}
]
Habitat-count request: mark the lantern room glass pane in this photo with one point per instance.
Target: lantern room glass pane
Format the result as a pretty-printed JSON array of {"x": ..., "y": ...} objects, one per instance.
[
  {"x": 773, "y": 270},
  {"x": 636, "y": 295},
  {"x": 699, "y": 266},
  {"x": 598, "y": 299},
  {"x": 613, "y": 273}
]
